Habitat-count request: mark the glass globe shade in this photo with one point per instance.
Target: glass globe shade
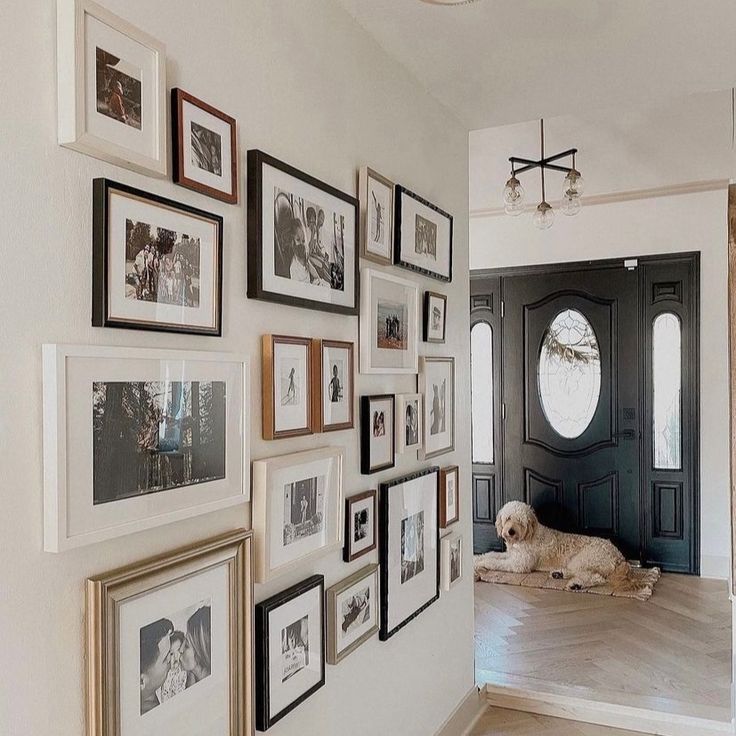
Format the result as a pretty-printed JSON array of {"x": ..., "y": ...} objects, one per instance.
[
  {"x": 571, "y": 204},
  {"x": 513, "y": 197},
  {"x": 573, "y": 183},
  {"x": 544, "y": 216}
]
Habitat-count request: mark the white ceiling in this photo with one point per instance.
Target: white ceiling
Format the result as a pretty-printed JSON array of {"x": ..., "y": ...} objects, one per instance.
[{"x": 502, "y": 61}]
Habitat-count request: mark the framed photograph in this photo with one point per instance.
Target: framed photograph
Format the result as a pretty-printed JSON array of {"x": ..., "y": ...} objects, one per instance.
[
  {"x": 452, "y": 560},
  {"x": 376, "y": 213},
  {"x": 360, "y": 526},
  {"x": 408, "y": 422},
  {"x": 136, "y": 438},
  {"x": 169, "y": 643},
  {"x": 205, "y": 147},
  {"x": 435, "y": 316},
  {"x": 352, "y": 613},
  {"x": 290, "y": 650},
  {"x": 111, "y": 87},
  {"x": 423, "y": 236},
  {"x": 377, "y": 421},
  {"x": 409, "y": 549},
  {"x": 449, "y": 499},
  {"x": 334, "y": 390},
  {"x": 302, "y": 238},
  {"x": 389, "y": 337},
  {"x": 156, "y": 263},
  {"x": 287, "y": 386},
  {"x": 436, "y": 382},
  {"x": 297, "y": 509}
]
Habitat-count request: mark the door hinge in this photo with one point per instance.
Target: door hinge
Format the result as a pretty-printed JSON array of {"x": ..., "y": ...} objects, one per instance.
[{"x": 631, "y": 264}]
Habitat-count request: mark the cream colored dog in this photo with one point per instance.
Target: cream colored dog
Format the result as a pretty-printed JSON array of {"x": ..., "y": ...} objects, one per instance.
[{"x": 583, "y": 561}]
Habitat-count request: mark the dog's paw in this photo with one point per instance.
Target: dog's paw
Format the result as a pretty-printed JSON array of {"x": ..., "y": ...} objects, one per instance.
[{"x": 556, "y": 575}]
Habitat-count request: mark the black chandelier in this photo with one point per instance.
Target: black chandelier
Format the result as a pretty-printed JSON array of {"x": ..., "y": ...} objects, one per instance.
[{"x": 513, "y": 192}]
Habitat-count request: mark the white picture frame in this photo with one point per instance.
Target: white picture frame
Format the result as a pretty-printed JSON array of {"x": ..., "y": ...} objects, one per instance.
[
  {"x": 286, "y": 533},
  {"x": 78, "y": 508},
  {"x": 405, "y": 428},
  {"x": 132, "y": 132},
  {"x": 439, "y": 411},
  {"x": 451, "y": 554},
  {"x": 388, "y": 302}
]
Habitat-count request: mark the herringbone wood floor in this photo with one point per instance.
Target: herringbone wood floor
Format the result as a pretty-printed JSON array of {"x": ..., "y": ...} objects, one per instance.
[{"x": 671, "y": 653}]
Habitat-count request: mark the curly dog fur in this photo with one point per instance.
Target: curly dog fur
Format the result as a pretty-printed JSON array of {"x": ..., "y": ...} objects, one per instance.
[{"x": 582, "y": 561}]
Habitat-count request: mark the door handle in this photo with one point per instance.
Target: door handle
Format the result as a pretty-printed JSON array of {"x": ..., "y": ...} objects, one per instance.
[{"x": 626, "y": 434}]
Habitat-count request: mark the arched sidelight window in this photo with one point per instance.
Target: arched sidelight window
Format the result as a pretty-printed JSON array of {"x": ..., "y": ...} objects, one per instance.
[
  {"x": 481, "y": 392},
  {"x": 667, "y": 390}
]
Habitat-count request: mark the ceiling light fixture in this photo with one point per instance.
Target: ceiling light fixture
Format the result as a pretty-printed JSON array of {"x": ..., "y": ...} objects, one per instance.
[{"x": 544, "y": 215}]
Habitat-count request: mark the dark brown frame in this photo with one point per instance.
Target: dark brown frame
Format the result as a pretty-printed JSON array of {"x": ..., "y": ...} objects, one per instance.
[
  {"x": 425, "y": 331},
  {"x": 100, "y": 259},
  {"x": 256, "y": 160},
  {"x": 318, "y": 388},
  {"x": 365, "y": 433},
  {"x": 178, "y": 98},
  {"x": 268, "y": 394},
  {"x": 444, "y": 522},
  {"x": 347, "y": 554}
]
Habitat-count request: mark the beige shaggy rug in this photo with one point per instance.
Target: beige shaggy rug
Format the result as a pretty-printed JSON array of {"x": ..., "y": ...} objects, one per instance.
[{"x": 640, "y": 585}]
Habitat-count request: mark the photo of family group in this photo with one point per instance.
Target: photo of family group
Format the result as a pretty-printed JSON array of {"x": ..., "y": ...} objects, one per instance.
[
  {"x": 206, "y": 149},
  {"x": 425, "y": 237},
  {"x": 175, "y": 654},
  {"x": 118, "y": 89},
  {"x": 356, "y": 610},
  {"x": 412, "y": 546},
  {"x": 303, "y": 509},
  {"x": 294, "y": 648},
  {"x": 392, "y": 325}
]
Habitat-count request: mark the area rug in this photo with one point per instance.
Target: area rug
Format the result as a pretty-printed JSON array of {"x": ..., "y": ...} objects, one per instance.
[{"x": 640, "y": 583}]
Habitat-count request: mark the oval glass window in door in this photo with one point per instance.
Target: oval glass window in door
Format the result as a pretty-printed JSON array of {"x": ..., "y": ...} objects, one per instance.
[{"x": 569, "y": 373}]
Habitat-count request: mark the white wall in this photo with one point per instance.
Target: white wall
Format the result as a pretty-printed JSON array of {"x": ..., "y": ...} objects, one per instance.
[{"x": 309, "y": 86}]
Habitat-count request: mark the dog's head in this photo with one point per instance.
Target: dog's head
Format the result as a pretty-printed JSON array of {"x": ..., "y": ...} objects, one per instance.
[{"x": 516, "y": 522}]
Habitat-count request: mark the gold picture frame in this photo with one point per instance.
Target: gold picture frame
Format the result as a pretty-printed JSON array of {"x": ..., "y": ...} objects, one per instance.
[{"x": 108, "y": 593}]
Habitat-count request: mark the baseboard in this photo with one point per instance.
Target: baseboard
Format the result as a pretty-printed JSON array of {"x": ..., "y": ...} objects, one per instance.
[
  {"x": 465, "y": 715},
  {"x": 715, "y": 566},
  {"x": 613, "y": 715}
]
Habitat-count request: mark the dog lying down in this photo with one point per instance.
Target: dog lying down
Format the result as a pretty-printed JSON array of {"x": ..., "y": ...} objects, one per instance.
[{"x": 582, "y": 561}]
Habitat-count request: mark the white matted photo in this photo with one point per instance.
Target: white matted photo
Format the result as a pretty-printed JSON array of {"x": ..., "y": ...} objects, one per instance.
[
  {"x": 111, "y": 79},
  {"x": 336, "y": 388},
  {"x": 388, "y": 323},
  {"x": 377, "y": 427},
  {"x": 409, "y": 422},
  {"x": 436, "y": 381},
  {"x": 377, "y": 216},
  {"x": 297, "y": 509},
  {"x": 452, "y": 560},
  {"x": 135, "y": 438}
]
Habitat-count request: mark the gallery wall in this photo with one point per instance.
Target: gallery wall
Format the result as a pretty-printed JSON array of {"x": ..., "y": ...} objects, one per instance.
[{"x": 309, "y": 86}]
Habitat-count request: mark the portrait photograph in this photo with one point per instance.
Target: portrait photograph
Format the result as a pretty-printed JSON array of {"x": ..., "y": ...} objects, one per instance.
[
  {"x": 302, "y": 238},
  {"x": 157, "y": 264},
  {"x": 304, "y": 509},
  {"x": 435, "y": 317},
  {"x": 360, "y": 525},
  {"x": 352, "y": 613},
  {"x": 377, "y": 450},
  {"x": 436, "y": 381},
  {"x": 169, "y": 642},
  {"x": 290, "y": 649},
  {"x": 449, "y": 498},
  {"x": 409, "y": 409},
  {"x": 205, "y": 152},
  {"x": 118, "y": 89},
  {"x": 377, "y": 213},
  {"x": 451, "y": 560},
  {"x": 336, "y": 390}
]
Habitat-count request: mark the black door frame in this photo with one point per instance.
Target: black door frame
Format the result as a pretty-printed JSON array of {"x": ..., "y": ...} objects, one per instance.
[{"x": 691, "y": 374}]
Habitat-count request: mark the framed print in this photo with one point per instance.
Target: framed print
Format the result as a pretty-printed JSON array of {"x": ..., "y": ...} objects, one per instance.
[
  {"x": 169, "y": 643},
  {"x": 111, "y": 88},
  {"x": 435, "y": 316},
  {"x": 377, "y": 450},
  {"x": 290, "y": 651},
  {"x": 302, "y": 238},
  {"x": 452, "y": 560},
  {"x": 360, "y": 525},
  {"x": 352, "y": 613},
  {"x": 135, "y": 438},
  {"x": 449, "y": 499},
  {"x": 205, "y": 152},
  {"x": 389, "y": 341},
  {"x": 156, "y": 263},
  {"x": 287, "y": 386},
  {"x": 297, "y": 509},
  {"x": 376, "y": 213},
  {"x": 409, "y": 548},
  {"x": 408, "y": 422},
  {"x": 334, "y": 390},
  {"x": 423, "y": 236},
  {"x": 436, "y": 382}
]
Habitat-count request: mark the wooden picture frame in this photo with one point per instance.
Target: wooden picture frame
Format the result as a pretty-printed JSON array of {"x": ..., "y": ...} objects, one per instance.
[
  {"x": 110, "y": 598},
  {"x": 372, "y": 208},
  {"x": 116, "y": 302},
  {"x": 323, "y": 393},
  {"x": 377, "y": 433},
  {"x": 362, "y": 502},
  {"x": 271, "y": 388},
  {"x": 225, "y": 139},
  {"x": 448, "y": 502},
  {"x": 429, "y": 330}
]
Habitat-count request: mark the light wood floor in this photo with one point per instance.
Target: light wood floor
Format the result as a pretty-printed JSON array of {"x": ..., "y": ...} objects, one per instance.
[{"x": 671, "y": 653}]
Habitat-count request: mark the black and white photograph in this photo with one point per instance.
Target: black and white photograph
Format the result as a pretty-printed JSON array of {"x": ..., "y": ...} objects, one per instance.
[
  {"x": 391, "y": 329},
  {"x": 175, "y": 654},
  {"x": 452, "y": 560},
  {"x": 377, "y": 432},
  {"x": 302, "y": 238},
  {"x": 435, "y": 317},
  {"x": 152, "y": 436},
  {"x": 379, "y": 424},
  {"x": 408, "y": 422},
  {"x": 294, "y": 648},
  {"x": 412, "y": 546},
  {"x": 206, "y": 149},
  {"x": 360, "y": 525},
  {"x": 303, "y": 509},
  {"x": 449, "y": 500},
  {"x": 291, "y": 394},
  {"x": 425, "y": 237},
  {"x": 355, "y": 610},
  {"x": 437, "y": 406},
  {"x": 336, "y": 387},
  {"x": 436, "y": 382},
  {"x": 118, "y": 89},
  {"x": 377, "y": 212},
  {"x": 411, "y": 423}
]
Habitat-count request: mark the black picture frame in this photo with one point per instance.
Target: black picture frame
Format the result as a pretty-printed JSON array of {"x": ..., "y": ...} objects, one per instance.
[
  {"x": 348, "y": 555},
  {"x": 384, "y": 496},
  {"x": 256, "y": 160},
  {"x": 262, "y": 635},
  {"x": 366, "y": 466},
  {"x": 399, "y": 246},
  {"x": 101, "y": 189},
  {"x": 428, "y": 296}
]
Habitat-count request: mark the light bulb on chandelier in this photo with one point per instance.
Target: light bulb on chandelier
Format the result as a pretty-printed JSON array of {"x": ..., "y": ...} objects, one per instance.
[{"x": 513, "y": 196}]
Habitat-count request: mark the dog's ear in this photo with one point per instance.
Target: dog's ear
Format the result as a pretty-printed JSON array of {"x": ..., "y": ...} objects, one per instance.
[
  {"x": 499, "y": 524},
  {"x": 531, "y": 525}
]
